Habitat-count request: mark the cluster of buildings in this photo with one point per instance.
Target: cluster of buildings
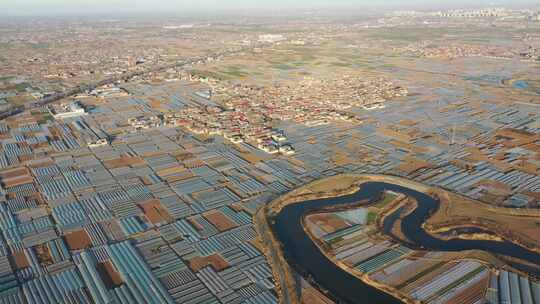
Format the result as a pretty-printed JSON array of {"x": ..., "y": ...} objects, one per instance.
[
  {"x": 272, "y": 38},
  {"x": 142, "y": 122},
  {"x": 234, "y": 126},
  {"x": 245, "y": 114},
  {"x": 312, "y": 101},
  {"x": 431, "y": 49}
]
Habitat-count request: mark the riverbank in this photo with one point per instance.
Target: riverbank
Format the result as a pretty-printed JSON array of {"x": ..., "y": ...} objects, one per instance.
[
  {"x": 285, "y": 282},
  {"x": 339, "y": 185},
  {"x": 361, "y": 276},
  {"x": 519, "y": 226},
  {"x": 336, "y": 188}
]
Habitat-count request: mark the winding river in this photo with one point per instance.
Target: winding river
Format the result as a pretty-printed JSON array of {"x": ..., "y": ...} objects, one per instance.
[{"x": 306, "y": 257}]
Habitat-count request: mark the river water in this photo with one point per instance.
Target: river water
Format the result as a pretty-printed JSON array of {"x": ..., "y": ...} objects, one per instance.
[{"x": 306, "y": 257}]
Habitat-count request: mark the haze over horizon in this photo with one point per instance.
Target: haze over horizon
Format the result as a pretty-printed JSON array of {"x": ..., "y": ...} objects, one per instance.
[{"x": 47, "y": 7}]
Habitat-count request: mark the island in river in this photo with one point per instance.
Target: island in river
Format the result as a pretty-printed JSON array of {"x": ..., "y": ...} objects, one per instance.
[{"x": 382, "y": 239}]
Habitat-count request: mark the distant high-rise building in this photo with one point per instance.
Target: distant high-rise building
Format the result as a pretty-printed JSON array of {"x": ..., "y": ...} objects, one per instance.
[{"x": 476, "y": 13}]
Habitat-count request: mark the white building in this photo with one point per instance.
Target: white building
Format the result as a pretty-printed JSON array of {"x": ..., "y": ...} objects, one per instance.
[
  {"x": 98, "y": 143},
  {"x": 271, "y": 38},
  {"x": 62, "y": 111}
]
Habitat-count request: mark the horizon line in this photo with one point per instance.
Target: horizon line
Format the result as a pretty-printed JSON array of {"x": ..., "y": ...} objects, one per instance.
[{"x": 137, "y": 12}]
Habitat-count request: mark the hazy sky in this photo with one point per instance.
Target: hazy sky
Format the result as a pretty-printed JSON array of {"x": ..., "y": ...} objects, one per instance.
[{"x": 186, "y": 6}]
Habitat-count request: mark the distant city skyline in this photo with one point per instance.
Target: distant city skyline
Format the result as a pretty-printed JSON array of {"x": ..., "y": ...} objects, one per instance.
[{"x": 36, "y": 7}]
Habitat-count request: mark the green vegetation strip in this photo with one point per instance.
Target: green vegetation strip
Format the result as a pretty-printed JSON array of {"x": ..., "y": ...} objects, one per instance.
[
  {"x": 335, "y": 240},
  {"x": 207, "y": 74},
  {"x": 371, "y": 217},
  {"x": 21, "y": 87},
  {"x": 283, "y": 67},
  {"x": 387, "y": 199}
]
